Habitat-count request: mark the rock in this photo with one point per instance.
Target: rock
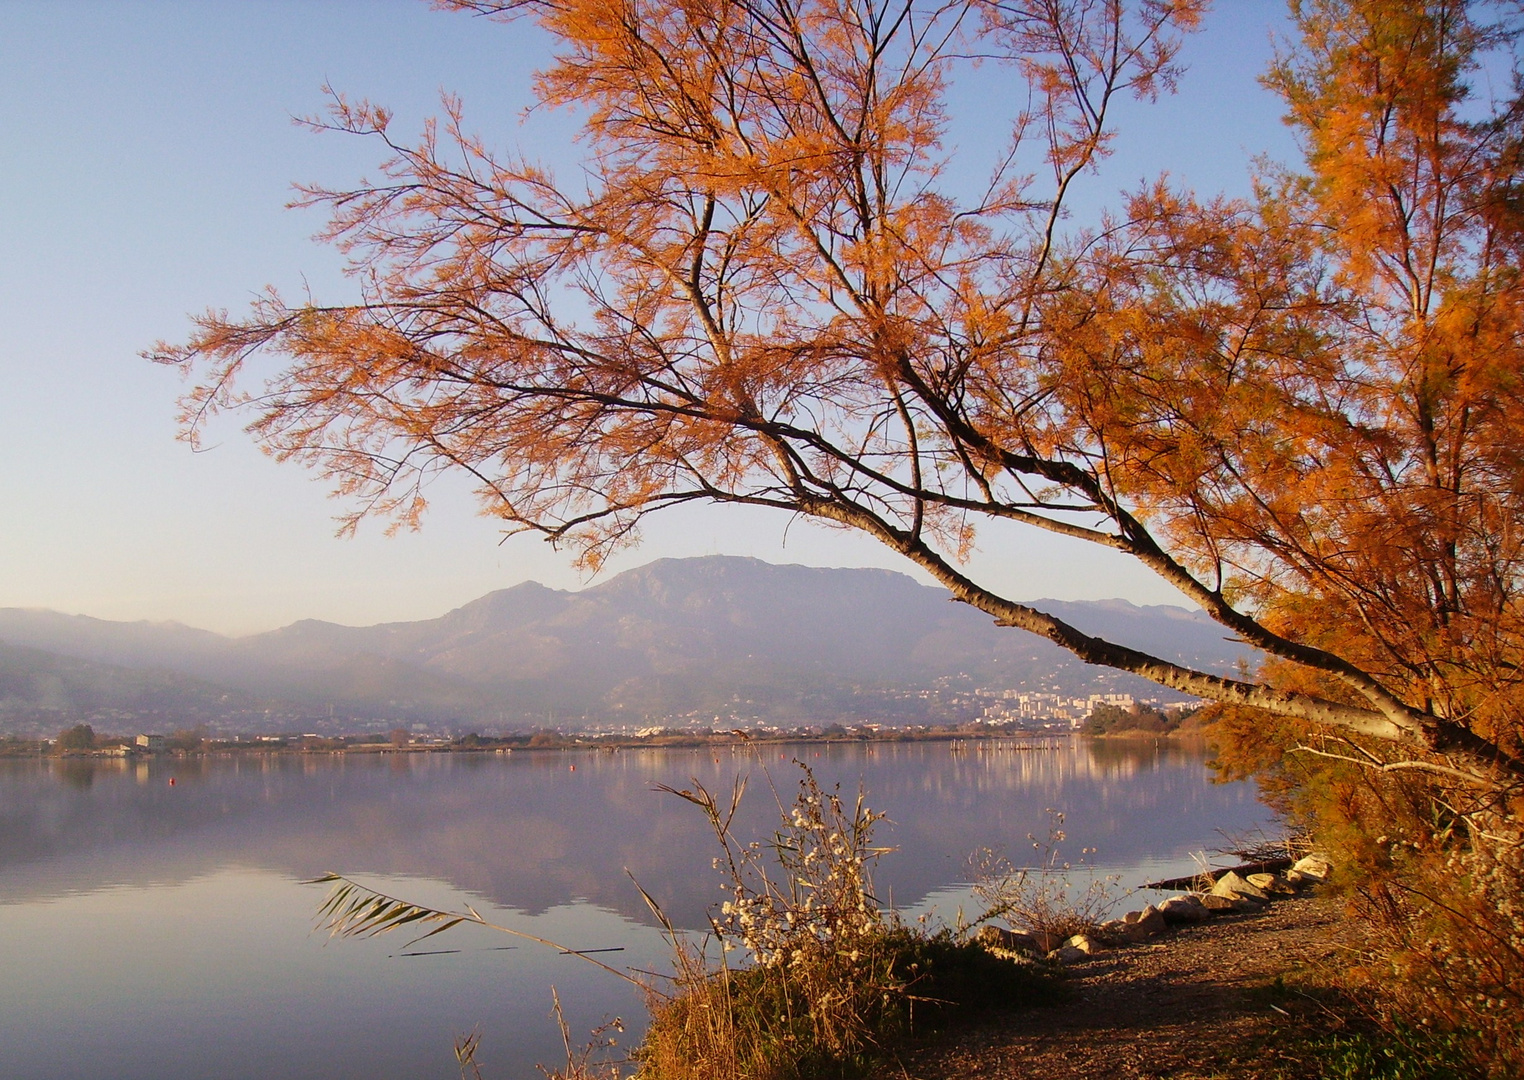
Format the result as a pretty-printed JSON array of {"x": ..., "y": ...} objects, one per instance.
[
  {"x": 1084, "y": 943},
  {"x": 992, "y": 935},
  {"x": 1112, "y": 931},
  {"x": 1068, "y": 954},
  {"x": 1217, "y": 903},
  {"x": 1270, "y": 884},
  {"x": 1142, "y": 925},
  {"x": 996, "y": 937},
  {"x": 1315, "y": 867},
  {"x": 1046, "y": 942},
  {"x": 1184, "y": 909},
  {"x": 1236, "y": 888},
  {"x": 1296, "y": 879}
]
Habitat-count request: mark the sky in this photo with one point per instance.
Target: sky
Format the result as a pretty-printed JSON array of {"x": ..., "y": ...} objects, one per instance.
[{"x": 147, "y": 153}]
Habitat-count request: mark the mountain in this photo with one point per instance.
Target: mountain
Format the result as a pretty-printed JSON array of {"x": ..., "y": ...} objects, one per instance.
[
  {"x": 40, "y": 689},
  {"x": 720, "y": 634}
]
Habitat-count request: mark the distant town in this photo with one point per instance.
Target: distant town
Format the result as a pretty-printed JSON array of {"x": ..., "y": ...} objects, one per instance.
[{"x": 987, "y": 712}]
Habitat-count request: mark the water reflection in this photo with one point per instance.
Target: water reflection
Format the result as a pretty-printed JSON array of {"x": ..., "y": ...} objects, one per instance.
[
  {"x": 152, "y": 929},
  {"x": 536, "y": 831}
]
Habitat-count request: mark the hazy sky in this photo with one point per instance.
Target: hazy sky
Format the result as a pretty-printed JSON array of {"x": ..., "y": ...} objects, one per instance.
[{"x": 146, "y": 156}]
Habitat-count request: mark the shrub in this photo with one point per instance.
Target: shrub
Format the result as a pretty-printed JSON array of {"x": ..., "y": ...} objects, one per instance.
[
  {"x": 827, "y": 980},
  {"x": 1433, "y": 866},
  {"x": 1048, "y": 896}
]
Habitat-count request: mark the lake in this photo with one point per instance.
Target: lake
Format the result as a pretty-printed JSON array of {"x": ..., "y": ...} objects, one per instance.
[{"x": 158, "y": 930}]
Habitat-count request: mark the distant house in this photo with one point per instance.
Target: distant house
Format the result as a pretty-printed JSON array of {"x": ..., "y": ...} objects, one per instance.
[{"x": 153, "y": 744}]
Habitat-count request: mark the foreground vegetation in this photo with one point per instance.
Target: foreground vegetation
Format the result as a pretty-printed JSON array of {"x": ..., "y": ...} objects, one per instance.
[
  {"x": 830, "y": 981},
  {"x": 802, "y": 974},
  {"x": 830, "y": 1014}
]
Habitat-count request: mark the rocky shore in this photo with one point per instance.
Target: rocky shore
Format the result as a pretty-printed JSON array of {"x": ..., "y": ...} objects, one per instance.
[
  {"x": 1224, "y": 892},
  {"x": 1202, "y": 985}
]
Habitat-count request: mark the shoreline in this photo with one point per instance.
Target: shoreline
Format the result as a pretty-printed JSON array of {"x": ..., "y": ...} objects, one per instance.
[
  {"x": 297, "y": 745},
  {"x": 1238, "y": 996}
]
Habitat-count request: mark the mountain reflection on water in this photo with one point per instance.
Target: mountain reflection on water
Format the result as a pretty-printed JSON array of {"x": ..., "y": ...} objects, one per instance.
[
  {"x": 537, "y": 830},
  {"x": 151, "y": 930}
]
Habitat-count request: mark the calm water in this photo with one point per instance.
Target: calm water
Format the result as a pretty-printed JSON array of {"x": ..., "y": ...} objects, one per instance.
[{"x": 158, "y": 931}]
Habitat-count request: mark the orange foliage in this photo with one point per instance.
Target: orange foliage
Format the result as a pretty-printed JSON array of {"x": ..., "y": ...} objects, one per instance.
[{"x": 1300, "y": 409}]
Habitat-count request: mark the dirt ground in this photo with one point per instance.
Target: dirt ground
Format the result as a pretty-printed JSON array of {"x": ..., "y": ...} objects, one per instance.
[{"x": 1199, "y": 1001}]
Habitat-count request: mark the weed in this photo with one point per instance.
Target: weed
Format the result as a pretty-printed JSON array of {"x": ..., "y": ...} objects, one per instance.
[
  {"x": 1403, "y": 1054},
  {"x": 1049, "y": 896},
  {"x": 827, "y": 981}
]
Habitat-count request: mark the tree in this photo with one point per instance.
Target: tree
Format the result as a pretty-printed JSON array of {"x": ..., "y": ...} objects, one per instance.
[
  {"x": 78, "y": 737},
  {"x": 1106, "y": 719},
  {"x": 763, "y": 297},
  {"x": 1300, "y": 409}
]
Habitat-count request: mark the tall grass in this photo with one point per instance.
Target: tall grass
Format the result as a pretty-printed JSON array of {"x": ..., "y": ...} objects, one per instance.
[
  {"x": 802, "y": 973},
  {"x": 1049, "y": 896}
]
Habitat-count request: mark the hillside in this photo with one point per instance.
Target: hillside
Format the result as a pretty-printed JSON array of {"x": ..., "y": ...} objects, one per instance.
[
  {"x": 737, "y": 637},
  {"x": 39, "y": 690}
]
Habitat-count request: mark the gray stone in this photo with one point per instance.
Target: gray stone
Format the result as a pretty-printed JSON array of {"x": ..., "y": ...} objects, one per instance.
[
  {"x": 1047, "y": 942},
  {"x": 999, "y": 938},
  {"x": 1084, "y": 943},
  {"x": 1236, "y": 888},
  {"x": 1142, "y": 925},
  {"x": 1184, "y": 909},
  {"x": 1216, "y": 905},
  {"x": 1068, "y": 954},
  {"x": 1112, "y": 931}
]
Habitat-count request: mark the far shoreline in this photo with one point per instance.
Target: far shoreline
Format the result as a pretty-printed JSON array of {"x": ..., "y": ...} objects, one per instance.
[{"x": 120, "y": 748}]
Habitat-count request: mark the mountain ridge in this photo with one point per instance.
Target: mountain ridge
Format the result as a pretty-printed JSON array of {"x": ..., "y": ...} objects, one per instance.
[{"x": 729, "y": 634}]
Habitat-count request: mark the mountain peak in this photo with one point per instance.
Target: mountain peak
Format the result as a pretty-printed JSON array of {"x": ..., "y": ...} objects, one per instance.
[{"x": 717, "y": 635}]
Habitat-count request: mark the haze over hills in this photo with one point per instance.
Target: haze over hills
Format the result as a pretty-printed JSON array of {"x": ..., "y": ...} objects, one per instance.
[{"x": 733, "y": 638}]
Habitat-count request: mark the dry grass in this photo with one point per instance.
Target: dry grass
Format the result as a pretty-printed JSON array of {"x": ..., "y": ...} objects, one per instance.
[
  {"x": 1047, "y": 896},
  {"x": 827, "y": 982}
]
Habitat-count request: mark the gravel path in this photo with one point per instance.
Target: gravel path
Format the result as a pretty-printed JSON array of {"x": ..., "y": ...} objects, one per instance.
[{"x": 1195, "y": 1004}]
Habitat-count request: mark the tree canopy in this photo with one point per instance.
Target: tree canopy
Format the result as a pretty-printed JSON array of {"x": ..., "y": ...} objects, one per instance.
[
  {"x": 1300, "y": 409},
  {"x": 78, "y": 737}
]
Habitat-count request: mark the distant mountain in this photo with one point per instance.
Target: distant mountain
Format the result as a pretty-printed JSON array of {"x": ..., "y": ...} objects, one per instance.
[
  {"x": 46, "y": 691},
  {"x": 731, "y": 635}
]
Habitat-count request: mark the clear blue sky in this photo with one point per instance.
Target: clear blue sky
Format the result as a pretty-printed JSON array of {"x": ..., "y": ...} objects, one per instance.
[{"x": 146, "y": 155}]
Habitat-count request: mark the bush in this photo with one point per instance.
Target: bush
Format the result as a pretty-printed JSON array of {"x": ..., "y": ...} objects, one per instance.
[
  {"x": 828, "y": 981},
  {"x": 1048, "y": 897},
  {"x": 830, "y": 1015},
  {"x": 1433, "y": 867}
]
